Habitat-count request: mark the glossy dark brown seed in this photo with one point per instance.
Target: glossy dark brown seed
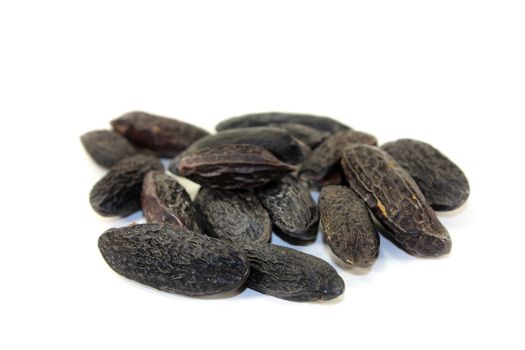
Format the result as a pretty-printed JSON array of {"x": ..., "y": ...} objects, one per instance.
[
  {"x": 118, "y": 192},
  {"x": 396, "y": 200},
  {"x": 231, "y": 167},
  {"x": 310, "y": 136},
  {"x": 277, "y": 141},
  {"x": 328, "y": 155},
  {"x": 293, "y": 211},
  {"x": 348, "y": 226},
  {"x": 165, "y": 201},
  {"x": 442, "y": 182},
  {"x": 166, "y": 136},
  {"x": 174, "y": 260},
  {"x": 234, "y": 215},
  {"x": 107, "y": 147},
  {"x": 290, "y": 274},
  {"x": 262, "y": 119}
]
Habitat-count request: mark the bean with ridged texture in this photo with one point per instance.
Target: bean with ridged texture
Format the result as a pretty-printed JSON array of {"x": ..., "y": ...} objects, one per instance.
[
  {"x": 395, "y": 200},
  {"x": 174, "y": 260},
  {"x": 234, "y": 215},
  {"x": 294, "y": 213},
  {"x": 107, "y": 147},
  {"x": 118, "y": 192},
  {"x": 165, "y": 201},
  {"x": 262, "y": 119},
  {"x": 277, "y": 141},
  {"x": 290, "y": 274},
  {"x": 348, "y": 226},
  {"x": 166, "y": 136},
  {"x": 231, "y": 166},
  {"x": 442, "y": 182}
]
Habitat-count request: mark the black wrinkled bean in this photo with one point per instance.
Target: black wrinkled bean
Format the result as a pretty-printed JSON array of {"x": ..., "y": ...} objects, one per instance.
[{"x": 174, "y": 260}]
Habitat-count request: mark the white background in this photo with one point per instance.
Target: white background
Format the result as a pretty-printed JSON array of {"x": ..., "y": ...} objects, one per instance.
[{"x": 451, "y": 73}]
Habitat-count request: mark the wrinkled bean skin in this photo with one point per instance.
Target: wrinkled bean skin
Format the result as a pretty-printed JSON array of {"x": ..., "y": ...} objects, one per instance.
[
  {"x": 290, "y": 274},
  {"x": 234, "y": 215},
  {"x": 442, "y": 182},
  {"x": 328, "y": 154},
  {"x": 165, "y": 201},
  {"x": 348, "y": 226},
  {"x": 294, "y": 213},
  {"x": 166, "y": 136},
  {"x": 262, "y": 119},
  {"x": 107, "y": 147},
  {"x": 174, "y": 260},
  {"x": 231, "y": 167},
  {"x": 277, "y": 141},
  {"x": 310, "y": 136},
  {"x": 395, "y": 200},
  {"x": 118, "y": 192}
]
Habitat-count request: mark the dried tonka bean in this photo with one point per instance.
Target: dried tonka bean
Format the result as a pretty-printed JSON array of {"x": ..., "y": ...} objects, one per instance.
[
  {"x": 234, "y": 215},
  {"x": 442, "y": 182},
  {"x": 290, "y": 274},
  {"x": 118, "y": 192},
  {"x": 174, "y": 260},
  {"x": 231, "y": 166},
  {"x": 328, "y": 155},
  {"x": 262, "y": 119},
  {"x": 396, "y": 200},
  {"x": 348, "y": 226},
  {"x": 277, "y": 141},
  {"x": 310, "y": 136},
  {"x": 166, "y": 136},
  {"x": 107, "y": 147},
  {"x": 165, "y": 201},
  {"x": 293, "y": 211}
]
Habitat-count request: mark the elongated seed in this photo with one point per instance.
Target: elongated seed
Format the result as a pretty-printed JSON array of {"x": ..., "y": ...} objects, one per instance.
[
  {"x": 348, "y": 226},
  {"x": 164, "y": 200},
  {"x": 234, "y": 215},
  {"x": 174, "y": 260},
  {"x": 442, "y": 182},
  {"x": 277, "y": 141},
  {"x": 262, "y": 119},
  {"x": 290, "y": 274},
  {"x": 118, "y": 192},
  {"x": 166, "y": 136},
  {"x": 231, "y": 166},
  {"x": 294, "y": 213},
  {"x": 396, "y": 200}
]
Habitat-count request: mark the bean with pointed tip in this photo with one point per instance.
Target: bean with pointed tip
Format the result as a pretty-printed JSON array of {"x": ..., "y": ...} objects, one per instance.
[
  {"x": 348, "y": 226},
  {"x": 107, "y": 147},
  {"x": 165, "y": 201},
  {"x": 166, "y": 136},
  {"x": 442, "y": 182},
  {"x": 234, "y": 215},
  {"x": 174, "y": 260},
  {"x": 290, "y": 274},
  {"x": 395, "y": 200},
  {"x": 118, "y": 192},
  {"x": 277, "y": 141},
  {"x": 294, "y": 213},
  {"x": 231, "y": 166},
  {"x": 262, "y": 119}
]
